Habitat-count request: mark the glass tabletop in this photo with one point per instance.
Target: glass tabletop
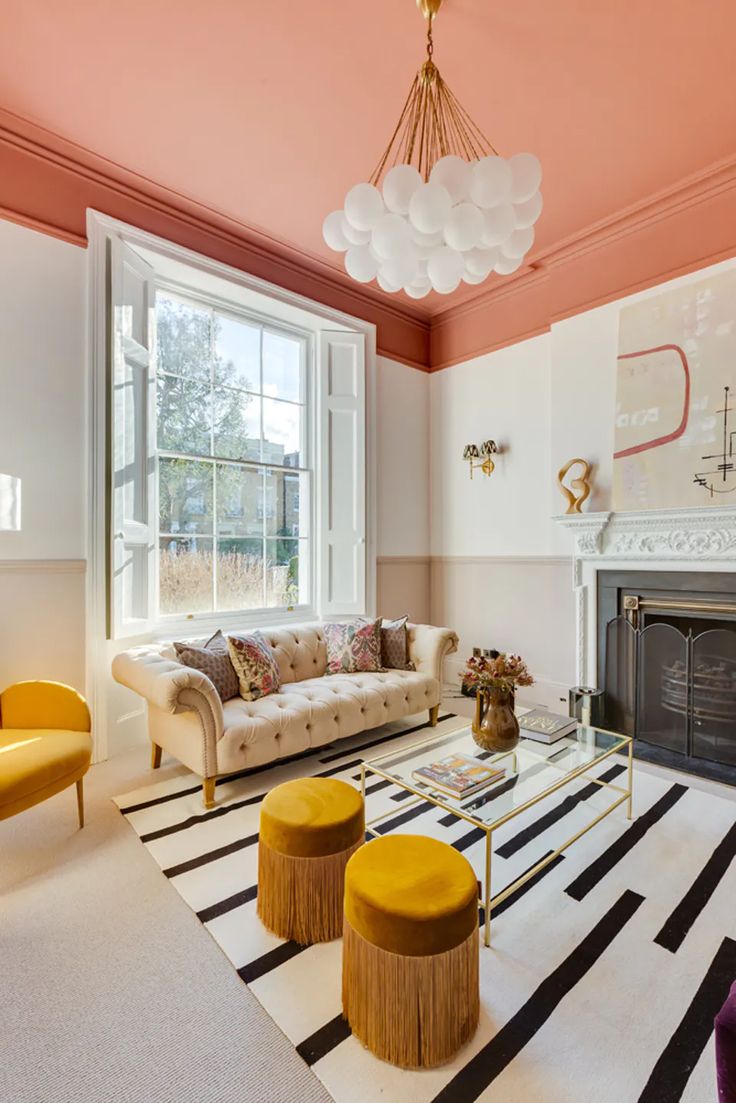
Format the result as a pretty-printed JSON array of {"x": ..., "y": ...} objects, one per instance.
[{"x": 530, "y": 771}]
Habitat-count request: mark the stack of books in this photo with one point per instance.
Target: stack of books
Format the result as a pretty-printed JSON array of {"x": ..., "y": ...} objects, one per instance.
[
  {"x": 546, "y": 727},
  {"x": 460, "y": 775}
]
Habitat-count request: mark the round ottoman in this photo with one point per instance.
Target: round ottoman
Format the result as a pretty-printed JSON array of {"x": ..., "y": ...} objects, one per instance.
[
  {"x": 309, "y": 829},
  {"x": 410, "y": 988}
]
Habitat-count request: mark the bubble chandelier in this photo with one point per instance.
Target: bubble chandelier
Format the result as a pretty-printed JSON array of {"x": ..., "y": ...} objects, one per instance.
[{"x": 442, "y": 206}]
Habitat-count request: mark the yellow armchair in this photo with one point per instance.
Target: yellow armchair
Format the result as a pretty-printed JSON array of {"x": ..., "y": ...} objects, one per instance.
[{"x": 45, "y": 745}]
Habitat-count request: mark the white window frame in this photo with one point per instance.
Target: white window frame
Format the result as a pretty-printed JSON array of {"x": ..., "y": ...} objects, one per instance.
[
  {"x": 100, "y": 228},
  {"x": 170, "y": 625}
]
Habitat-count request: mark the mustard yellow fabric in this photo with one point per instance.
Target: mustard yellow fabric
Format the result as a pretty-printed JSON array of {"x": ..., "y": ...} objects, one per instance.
[
  {"x": 44, "y": 705},
  {"x": 411, "y": 895},
  {"x": 45, "y": 743},
  {"x": 311, "y": 817}
]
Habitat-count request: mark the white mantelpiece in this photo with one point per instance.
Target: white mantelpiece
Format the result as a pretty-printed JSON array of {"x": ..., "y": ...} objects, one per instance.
[{"x": 650, "y": 540}]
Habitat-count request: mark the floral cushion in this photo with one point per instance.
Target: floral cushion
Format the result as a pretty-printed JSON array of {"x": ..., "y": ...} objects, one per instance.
[
  {"x": 395, "y": 645},
  {"x": 213, "y": 659},
  {"x": 255, "y": 665},
  {"x": 353, "y": 646}
]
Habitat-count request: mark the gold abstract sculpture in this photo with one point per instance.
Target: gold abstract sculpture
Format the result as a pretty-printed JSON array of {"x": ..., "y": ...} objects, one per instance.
[{"x": 580, "y": 485}]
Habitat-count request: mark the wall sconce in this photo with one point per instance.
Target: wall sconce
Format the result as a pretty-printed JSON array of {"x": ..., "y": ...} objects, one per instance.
[{"x": 481, "y": 457}]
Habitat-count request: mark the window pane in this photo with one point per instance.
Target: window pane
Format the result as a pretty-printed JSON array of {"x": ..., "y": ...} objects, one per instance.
[
  {"x": 237, "y": 354},
  {"x": 239, "y": 501},
  {"x": 281, "y": 432},
  {"x": 239, "y": 574},
  {"x": 185, "y": 575},
  {"x": 237, "y": 424},
  {"x": 183, "y": 338},
  {"x": 282, "y": 572},
  {"x": 185, "y": 496},
  {"x": 184, "y": 419},
  {"x": 282, "y": 367},
  {"x": 287, "y": 503}
]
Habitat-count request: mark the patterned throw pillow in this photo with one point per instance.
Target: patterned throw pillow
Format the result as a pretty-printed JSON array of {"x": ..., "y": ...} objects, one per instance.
[
  {"x": 255, "y": 665},
  {"x": 353, "y": 646},
  {"x": 395, "y": 645},
  {"x": 213, "y": 659}
]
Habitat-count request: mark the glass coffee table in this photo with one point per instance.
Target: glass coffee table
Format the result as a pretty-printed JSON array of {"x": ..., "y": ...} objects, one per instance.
[{"x": 534, "y": 771}]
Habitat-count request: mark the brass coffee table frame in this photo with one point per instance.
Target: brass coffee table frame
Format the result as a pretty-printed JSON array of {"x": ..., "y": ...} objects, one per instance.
[{"x": 623, "y": 742}]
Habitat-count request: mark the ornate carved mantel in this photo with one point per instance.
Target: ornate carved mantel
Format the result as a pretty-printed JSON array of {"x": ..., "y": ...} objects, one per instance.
[{"x": 692, "y": 539}]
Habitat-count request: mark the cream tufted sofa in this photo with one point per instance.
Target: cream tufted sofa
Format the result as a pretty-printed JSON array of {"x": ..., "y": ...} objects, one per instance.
[{"x": 187, "y": 718}]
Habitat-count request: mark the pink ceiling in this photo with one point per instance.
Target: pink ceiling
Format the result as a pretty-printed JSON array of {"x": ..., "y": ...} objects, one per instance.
[{"x": 269, "y": 111}]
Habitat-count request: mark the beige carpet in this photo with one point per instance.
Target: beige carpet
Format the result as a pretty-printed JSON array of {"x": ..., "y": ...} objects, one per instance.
[{"x": 111, "y": 989}]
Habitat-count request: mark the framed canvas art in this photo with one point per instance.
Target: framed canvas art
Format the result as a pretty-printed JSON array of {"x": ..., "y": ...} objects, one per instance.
[{"x": 675, "y": 431}]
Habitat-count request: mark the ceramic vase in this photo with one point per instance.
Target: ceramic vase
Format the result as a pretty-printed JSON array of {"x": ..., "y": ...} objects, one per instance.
[{"x": 495, "y": 727}]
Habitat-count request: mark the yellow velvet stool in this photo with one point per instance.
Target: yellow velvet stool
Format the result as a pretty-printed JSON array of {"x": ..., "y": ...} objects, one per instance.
[
  {"x": 410, "y": 988},
  {"x": 309, "y": 829},
  {"x": 45, "y": 745}
]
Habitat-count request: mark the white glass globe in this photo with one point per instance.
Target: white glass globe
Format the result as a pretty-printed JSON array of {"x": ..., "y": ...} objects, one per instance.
[
  {"x": 453, "y": 173},
  {"x": 430, "y": 208},
  {"x": 363, "y": 206},
  {"x": 425, "y": 241},
  {"x": 402, "y": 270},
  {"x": 479, "y": 262},
  {"x": 498, "y": 224},
  {"x": 506, "y": 265},
  {"x": 473, "y": 277},
  {"x": 527, "y": 213},
  {"x": 419, "y": 288},
  {"x": 519, "y": 243},
  {"x": 399, "y": 185},
  {"x": 385, "y": 281},
  {"x": 354, "y": 237},
  {"x": 333, "y": 232},
  {"x": 464, "y": 227},
  {"x": 360, "y": 263},
  {"x": 390, "y": 236},
  {"x": 445, "y": 269},
  {"x": 490, "y": 184},
  {"x": 526, "y": 173}
]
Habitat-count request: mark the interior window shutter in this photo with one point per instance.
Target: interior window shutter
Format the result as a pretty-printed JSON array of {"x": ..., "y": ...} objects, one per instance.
[
  {"x": 342, "y": 498},
  {"x": 132, "y": 444}
]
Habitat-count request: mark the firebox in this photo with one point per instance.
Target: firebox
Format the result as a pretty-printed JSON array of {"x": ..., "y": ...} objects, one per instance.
[{"x": 667, "y": 662}]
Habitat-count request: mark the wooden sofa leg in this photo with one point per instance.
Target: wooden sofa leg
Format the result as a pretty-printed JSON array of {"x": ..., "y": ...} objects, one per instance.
[
  {"x": 80, "y": 801},
  {"x": 155, "y": 756},
  {"x": 208, "y": 792},
  {"x": 434, "y": 715}
]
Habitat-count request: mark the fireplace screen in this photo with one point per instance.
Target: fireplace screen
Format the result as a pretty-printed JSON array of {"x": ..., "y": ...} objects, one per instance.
[{"x": 673, "y": 690}]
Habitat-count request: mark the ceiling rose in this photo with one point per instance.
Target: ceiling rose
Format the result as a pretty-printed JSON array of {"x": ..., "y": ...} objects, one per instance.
[{"x": 442, "y": 205}]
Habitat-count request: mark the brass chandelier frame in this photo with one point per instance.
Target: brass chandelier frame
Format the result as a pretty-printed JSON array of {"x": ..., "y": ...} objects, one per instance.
[{"x": 433, "y": 123}]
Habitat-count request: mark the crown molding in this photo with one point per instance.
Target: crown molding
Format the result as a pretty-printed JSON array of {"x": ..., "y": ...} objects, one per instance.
[
  {"x": 47, "y": 183},
  {"x": 678, "y": 230}
]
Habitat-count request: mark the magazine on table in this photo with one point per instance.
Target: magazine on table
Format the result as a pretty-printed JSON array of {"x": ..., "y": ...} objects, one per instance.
[
  {"x": 546, "y": 727},
  {"x": 460, "y": 775}
]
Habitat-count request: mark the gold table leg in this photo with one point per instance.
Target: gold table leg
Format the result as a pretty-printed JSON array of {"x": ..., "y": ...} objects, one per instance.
[
  {"x": 489, "y": 848},
  {"x": 629, "y": 804}
]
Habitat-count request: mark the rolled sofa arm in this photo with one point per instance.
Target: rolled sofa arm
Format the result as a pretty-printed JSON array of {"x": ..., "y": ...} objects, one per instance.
[
  {"x": 172, "y": 687},
  {"x": 428, "y": 647}
]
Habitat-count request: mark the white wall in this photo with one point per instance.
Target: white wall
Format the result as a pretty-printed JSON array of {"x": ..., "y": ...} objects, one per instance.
[
  {"x": 501, "y": 572},
  {"x": 42, "y": 442}
]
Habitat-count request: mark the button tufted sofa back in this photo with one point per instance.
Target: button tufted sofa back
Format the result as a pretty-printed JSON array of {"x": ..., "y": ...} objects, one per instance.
[{"x": 300, "y": 651}]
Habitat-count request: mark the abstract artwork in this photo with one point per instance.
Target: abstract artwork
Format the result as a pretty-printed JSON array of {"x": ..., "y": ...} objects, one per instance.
[{"x": 675, "y": 432}]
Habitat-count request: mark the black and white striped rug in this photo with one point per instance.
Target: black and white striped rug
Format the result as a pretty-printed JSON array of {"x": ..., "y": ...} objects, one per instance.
[{"x": 605, "y": 971}]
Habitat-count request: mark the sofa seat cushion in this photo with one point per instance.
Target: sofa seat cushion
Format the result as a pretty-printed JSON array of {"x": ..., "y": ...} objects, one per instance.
[{"x": 316, "y": 711}]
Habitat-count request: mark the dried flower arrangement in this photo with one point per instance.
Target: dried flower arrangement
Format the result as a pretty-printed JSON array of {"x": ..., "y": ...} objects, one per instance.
[{"x": 504, "y": 672}]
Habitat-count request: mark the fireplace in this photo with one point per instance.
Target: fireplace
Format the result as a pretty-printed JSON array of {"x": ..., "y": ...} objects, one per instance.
[{"x": 667, "y": 663}]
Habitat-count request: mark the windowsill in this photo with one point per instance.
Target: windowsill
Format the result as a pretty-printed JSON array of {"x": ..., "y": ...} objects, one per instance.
[{"x": 203, "y": 624}]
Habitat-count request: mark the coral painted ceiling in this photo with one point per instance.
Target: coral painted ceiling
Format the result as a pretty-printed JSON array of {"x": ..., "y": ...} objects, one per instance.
[{"x": 268, "y": 111}]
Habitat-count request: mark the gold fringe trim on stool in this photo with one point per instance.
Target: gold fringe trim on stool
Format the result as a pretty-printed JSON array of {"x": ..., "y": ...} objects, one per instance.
[
  {"x": 415, "y": 1012},
  {"x": 302, "y": 898}
]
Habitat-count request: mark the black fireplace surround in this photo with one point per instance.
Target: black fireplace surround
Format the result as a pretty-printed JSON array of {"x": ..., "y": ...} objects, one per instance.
[{"x": 667, "y": 663}]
